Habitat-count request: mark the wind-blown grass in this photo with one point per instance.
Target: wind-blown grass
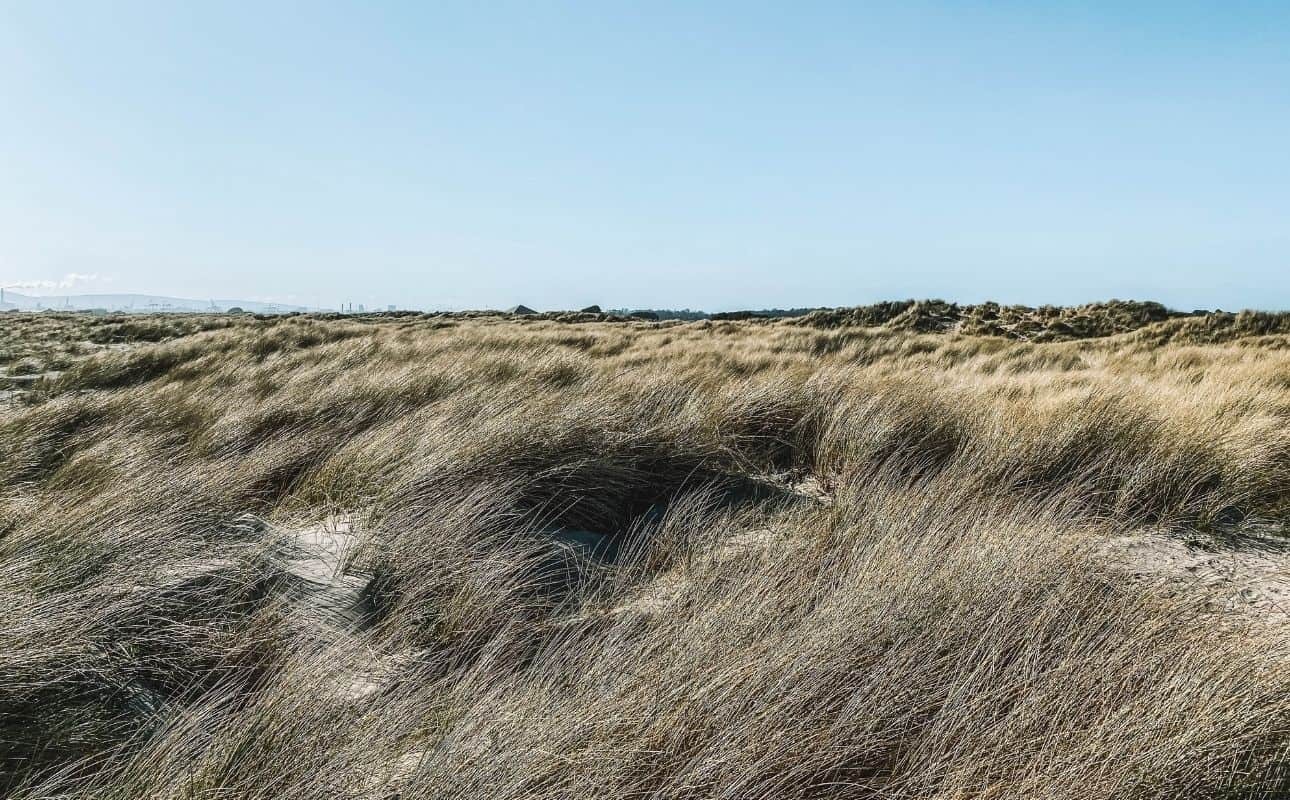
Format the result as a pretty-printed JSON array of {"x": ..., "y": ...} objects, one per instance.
[{"x": 622, "y": 559}]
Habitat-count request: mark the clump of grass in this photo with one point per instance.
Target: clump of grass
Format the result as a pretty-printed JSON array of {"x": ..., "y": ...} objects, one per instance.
[{"x": 25, "y": 366}]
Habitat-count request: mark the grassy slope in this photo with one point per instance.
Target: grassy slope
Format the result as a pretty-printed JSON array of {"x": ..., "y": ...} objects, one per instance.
[{"x": 943, "y": 626}]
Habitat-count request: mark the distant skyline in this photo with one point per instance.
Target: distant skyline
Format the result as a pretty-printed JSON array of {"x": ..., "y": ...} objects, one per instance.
[{"x": 714, "y": 155}]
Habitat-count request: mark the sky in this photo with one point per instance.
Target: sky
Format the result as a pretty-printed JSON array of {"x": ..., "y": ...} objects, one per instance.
[{"x": 713, "y": 155}]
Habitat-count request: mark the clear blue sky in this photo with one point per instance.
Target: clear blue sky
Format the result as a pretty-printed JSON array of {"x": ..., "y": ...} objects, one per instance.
[{"x": 715, "y": 155}]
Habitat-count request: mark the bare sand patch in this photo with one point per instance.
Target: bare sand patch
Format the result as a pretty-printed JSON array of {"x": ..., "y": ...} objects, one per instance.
[{"x": 1254, "y": 582}]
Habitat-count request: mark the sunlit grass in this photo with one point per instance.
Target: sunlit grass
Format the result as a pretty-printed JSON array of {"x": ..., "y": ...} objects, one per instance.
[{"x": 624, "y": 559}]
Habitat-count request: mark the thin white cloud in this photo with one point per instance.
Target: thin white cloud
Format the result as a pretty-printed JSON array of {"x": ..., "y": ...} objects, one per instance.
[{"x": 68, "y": 281}]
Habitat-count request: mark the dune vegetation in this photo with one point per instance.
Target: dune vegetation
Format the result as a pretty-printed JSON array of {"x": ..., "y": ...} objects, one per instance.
[{"x": 468, "y": 556}]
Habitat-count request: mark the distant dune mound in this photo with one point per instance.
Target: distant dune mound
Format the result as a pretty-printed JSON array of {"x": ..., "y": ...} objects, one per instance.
[{"x": 1043, "y": 323}]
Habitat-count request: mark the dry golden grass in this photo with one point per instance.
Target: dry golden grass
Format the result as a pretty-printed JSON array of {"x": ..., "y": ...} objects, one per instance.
[{"x": 487, "y": 557}]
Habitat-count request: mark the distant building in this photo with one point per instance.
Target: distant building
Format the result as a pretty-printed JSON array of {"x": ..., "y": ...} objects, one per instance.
[{"x": 389, "y": 307}]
